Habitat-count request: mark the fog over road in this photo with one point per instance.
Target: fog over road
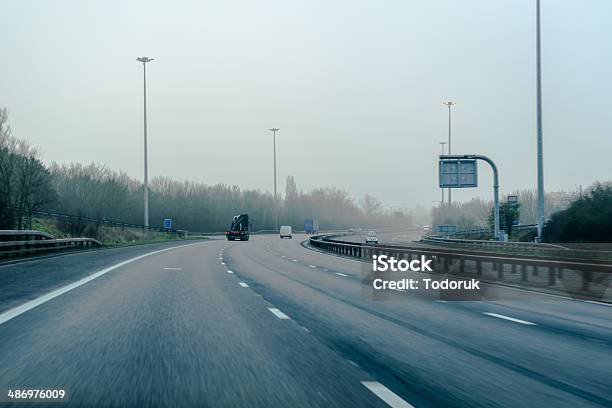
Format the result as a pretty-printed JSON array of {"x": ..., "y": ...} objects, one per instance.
[{"x": 270, "y": 323}]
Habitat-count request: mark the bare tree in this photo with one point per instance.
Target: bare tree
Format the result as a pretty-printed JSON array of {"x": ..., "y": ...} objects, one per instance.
[{"x": 24, "y": 180}]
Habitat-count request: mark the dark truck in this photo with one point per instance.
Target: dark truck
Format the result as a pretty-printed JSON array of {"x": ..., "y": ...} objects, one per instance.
[
  {"x": 311, "y": 226},
  {"x": 239, "y": 229}
]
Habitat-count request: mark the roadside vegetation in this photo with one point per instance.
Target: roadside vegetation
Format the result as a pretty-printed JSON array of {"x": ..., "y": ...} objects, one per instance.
[
  {"x": 587, "y": 220},
  {"x": 28, "y": 186},
  {"x": 574, "y": 217}
]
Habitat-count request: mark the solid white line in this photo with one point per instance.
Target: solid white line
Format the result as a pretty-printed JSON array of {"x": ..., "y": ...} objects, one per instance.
[
  {"x": 512, "y": 319},
  {"x": 278, "y": 313},
  {"x": 598, "y": 303},
  {"x": 340, "y": 274},
  {"x": 173, "y": 269},
  {"x": 244, "y": 285},
  {"x": 385, "y": 394},
  {"x": 228, "y": 271},
  {"x": 12, "y": 313}
]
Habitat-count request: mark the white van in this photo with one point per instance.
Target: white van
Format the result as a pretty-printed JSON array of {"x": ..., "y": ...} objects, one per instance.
[
  {"x": 371, "y": 238},
  {"x": 285, "y": 231}
]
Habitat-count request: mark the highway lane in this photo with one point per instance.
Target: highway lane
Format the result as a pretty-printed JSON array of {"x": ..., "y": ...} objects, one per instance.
[
  {"x": 442, "y": 354},
  {"x": 26, "y": 279},
  {"x": 387, "y": 237},
  {"x": 177, "y": 328}
]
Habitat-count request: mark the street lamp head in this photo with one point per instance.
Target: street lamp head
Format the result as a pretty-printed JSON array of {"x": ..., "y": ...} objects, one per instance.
[
  {"x": 144, "y": 59},
  {"x": 449, "y": 103},
  {"x": 274, "y": 129}
]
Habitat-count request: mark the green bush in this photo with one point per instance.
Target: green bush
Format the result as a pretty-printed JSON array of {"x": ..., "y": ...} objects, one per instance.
[{"x": 588, "y": 219}]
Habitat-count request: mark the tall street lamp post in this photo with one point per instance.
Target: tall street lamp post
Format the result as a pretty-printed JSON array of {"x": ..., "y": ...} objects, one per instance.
[
  {"x": 449, "y": 104},
  {"x": 442, "y": 202},
  {"x": 274, "y": 130},
  {"x": 539, "y": 125},
  {"x": 144, "y": 61}
]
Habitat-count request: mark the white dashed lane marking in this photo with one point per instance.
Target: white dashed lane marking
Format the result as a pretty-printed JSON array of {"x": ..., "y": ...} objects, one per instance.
[
  {"x": 228, "y": 271},
  {"x": 278, "y": 313},
  {"x": 244, "y": 285},
  {"x": 385, "y": 394},
  {"x": 512, "y": 319},
  {"x": 312, "y": 266},
  {"x": 340, "y": 274},
  {"x": 173, "y": 269}
]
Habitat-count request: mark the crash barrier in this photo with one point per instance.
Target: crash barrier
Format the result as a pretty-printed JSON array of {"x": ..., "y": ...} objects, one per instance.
[
  {"x": 483, "y": 230},
  {"x": 525, "y": 248},
  {"x": 108, "y": 223},
  {"x": 23, "y": 235},
  {"x": 561, "y": 271},
  {"x": 13, "y": 248}
]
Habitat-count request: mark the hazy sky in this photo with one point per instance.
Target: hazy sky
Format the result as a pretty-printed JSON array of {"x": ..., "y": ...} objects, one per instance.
[{"x": 355, "y": 87}]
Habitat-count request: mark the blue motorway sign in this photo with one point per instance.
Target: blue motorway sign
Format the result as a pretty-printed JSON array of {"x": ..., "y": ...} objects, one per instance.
[
  {"x": 168, "y": 223},
  {"x": 458, "y": 173},
  {"x": 447, "y": 229}
]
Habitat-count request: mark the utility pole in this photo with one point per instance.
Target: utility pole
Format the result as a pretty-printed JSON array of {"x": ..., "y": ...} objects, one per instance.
[
  {"x": 449, "y": 104},
  {"x": 539, "y": 117},
  {"x": 442, "y": 202},
  {"x": 274, "y": 130},
  {"x": 144, "y": 60}
]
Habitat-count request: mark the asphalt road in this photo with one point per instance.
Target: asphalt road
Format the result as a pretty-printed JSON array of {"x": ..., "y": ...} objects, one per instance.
[{"x": 288, "y": 327}]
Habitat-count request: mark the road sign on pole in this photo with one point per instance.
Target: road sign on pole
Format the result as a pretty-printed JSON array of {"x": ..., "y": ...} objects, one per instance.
[
  {"x": 458, "y": 173},
  {"x": 447, "y": 229},
  {"x": 167, "y": 223}
]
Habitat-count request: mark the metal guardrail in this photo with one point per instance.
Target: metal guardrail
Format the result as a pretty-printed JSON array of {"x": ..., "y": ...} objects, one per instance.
[
  {"x": 13, "y": 248},
  {"x": 23, "y": 235},
  {"x": 483, "y": 230},
  {"x": 528, "y": 248},
  {"x": 109, "y": 223},
  {"x": 459, "y": 261}
]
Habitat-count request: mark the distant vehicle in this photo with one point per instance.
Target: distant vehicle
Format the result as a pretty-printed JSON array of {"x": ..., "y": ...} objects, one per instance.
[
  {"x": 311, "y": 226},
  {"x": 371, "y": 238},
  {"x": 285, "y": 231},
  {"x": 426, "y": 228},
  {"x": 239, "y": 229}
]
